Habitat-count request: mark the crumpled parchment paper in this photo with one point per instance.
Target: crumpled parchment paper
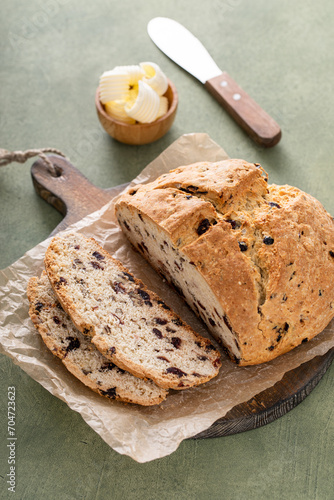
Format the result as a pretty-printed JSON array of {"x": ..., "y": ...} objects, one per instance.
[{"x": 143, "y": 433}]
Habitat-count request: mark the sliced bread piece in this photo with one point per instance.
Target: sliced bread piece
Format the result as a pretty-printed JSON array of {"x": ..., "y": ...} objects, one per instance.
[
  {"x": 129, "y": 324},
  {"x": 79, "y": 355}
]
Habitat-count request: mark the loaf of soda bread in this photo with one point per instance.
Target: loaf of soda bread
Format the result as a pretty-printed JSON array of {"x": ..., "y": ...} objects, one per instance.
[
  {"x": 254, "y": 261},
  {"x": 79, "y": 355},
  {"x": 129, "y": 324}
]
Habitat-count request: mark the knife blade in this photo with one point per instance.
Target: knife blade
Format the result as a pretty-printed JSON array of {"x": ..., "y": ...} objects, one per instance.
[{"x": 180, "y": 45}]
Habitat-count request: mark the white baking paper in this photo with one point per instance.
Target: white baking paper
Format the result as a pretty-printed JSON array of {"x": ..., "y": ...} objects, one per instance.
[{"x": 143, "y": 433}]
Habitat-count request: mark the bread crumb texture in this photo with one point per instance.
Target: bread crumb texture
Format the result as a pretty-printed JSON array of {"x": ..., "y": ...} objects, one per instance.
[
  {"x": 255, "y": 261},
  {"x": 79, "y": 355},
  {"x": 128, "y": 324}
]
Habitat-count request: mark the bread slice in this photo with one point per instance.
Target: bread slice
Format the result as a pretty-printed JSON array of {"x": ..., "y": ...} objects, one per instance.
[
  {"x": 79, "y": 355},
  {"x": 255, "y": 261},
  {"x": 129, "y": 324}
]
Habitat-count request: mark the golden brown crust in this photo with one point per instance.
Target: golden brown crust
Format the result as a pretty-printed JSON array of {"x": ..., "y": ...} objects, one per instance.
[
  {"x": 266, "y": 251},
  {"x": 229, "y": 275}
]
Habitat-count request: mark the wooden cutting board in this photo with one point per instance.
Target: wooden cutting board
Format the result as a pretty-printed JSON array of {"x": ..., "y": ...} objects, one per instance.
[{"x": 75, "y": 197}]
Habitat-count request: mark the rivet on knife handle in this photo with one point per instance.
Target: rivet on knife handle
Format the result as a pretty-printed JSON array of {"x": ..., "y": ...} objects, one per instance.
[{"x": 247, "y": 113}]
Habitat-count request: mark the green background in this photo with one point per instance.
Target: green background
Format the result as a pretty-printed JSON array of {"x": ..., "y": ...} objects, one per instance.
[{"x": 52, "y": 54}]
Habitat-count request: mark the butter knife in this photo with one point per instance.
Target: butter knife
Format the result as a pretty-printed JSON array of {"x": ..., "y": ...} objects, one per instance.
[{"x": 188, "y": 52}]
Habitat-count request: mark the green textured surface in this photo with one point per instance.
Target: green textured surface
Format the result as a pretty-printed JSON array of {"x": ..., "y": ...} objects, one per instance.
[{"x": 52, "y": 53}]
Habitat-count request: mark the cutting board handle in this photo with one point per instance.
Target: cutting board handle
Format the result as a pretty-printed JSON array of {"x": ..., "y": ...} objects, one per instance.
[
  {"x": 245, "y": 111},
  {"x": 68, "y": 190}
]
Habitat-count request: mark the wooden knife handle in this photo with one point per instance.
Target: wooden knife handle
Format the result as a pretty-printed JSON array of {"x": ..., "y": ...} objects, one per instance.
[{"x": 246, "y": 112}]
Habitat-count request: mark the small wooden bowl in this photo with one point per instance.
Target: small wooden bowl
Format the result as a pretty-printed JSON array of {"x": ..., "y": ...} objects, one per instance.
[{"x": 139, "y": 133}]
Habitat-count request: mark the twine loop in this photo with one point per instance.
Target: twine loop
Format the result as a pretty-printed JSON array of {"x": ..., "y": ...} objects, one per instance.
[{"x": 7, "y": 157}]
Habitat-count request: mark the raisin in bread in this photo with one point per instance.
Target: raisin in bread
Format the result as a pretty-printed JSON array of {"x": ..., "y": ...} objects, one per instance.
[
  {"x": 79, "y": 355},
  {"x": 254, "y": 261},
  {"x": 129, "y": 325}
]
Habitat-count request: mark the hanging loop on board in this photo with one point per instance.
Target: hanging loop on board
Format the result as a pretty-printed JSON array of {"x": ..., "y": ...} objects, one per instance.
[{"x": 7, "y": 157}]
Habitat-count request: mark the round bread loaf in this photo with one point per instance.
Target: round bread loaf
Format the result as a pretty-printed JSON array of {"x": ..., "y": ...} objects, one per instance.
[{"x": 254, "y": 261}]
